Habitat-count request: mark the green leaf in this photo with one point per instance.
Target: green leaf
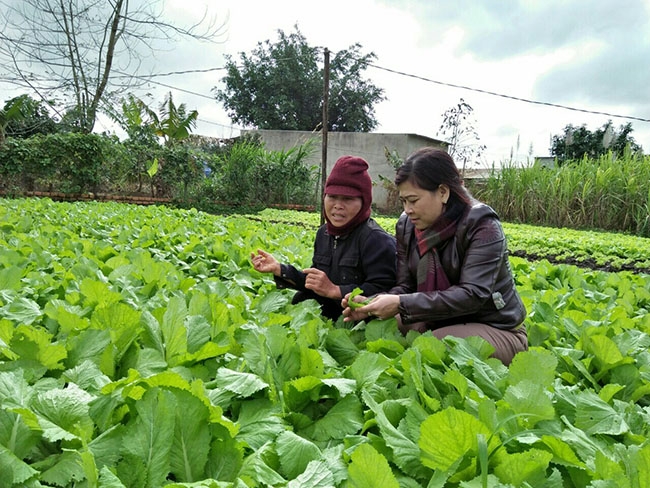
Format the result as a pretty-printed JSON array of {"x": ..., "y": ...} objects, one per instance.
[
  {"x": 357, "y": 304},
  {"x": 109, "y": 480},
  {"x": 226, "y": 459},
  {"x": 16, "y": 435},
  {"x": 88, "y": 345},
  {"x": 640, "y": 459},
  {"x": 450, "y": 435},
  {"x": 87, "y": 376},
  {"x": 343, "y": 419},
  {"x": 191, "y": 439},
  {"x": 22, "y": 310},
  {"x": 106, "y": 447},
  {"x": 243, "y": 384},
  {"x": 406, "y": 452},
  {"x": 562, "y": 452},
  {"x": 317, "y": 475},
  {"x": 530, "y": 402},
  {"x": 258, "y": 469},
  {"x": 63, "y": 413},
  {"x": 260, "y": 422},
  {"x": 174, "y": 331},
  {"x": 594, "y": 416},
  {"x": 10, "y": 278},
  {"x": 367, "y": 368},
  {"x": 65, "y": 471},
  {"x": 369, "y": 469},
  {"x": 98, "y": 293},
  {"x": 36, "y": 344},
  {"x": 344, "y": 386},
  {"x": 15, "y": 391},
  {"x": 542, "y": 361},
  {"x": 341, "y": 347},
  {"x": 15, "y": 472},
  {"x": 311, "y": 362},
  {"x": 523, "y": 467},
  {"x": 606, "y": 352},
  {"x": 70, "y": 317},
  {"x": 198, "y": 332},
  {"x": 300, "y": 392},
  {"x": 153, "y": 168},
  {"x": 150, "y": 435},
  {"x": 121, "y": 320},
  {"x": 295, "y": 453},
  {"x": 269, "y": 303}
]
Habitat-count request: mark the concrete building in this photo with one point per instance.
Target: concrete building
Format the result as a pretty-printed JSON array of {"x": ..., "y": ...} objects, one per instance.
[{"x": 370, "y": 146}]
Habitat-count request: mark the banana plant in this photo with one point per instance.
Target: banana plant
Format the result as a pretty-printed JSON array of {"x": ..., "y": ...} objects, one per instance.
[{"x": 175, "y": 123}]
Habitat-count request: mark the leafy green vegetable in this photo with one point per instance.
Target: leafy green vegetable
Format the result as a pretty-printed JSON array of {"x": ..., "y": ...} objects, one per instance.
[
  {"x": 357, "y": 304},
  {"x": 137, "y": 349}
]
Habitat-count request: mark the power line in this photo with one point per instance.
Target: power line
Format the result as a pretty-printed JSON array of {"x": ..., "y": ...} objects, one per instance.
[
  {"x": 519, "y": 99},
  {"x": 149, "y": 80},
  {"x": 409, "y": 75},
  {"x": 171, "y": 73}
]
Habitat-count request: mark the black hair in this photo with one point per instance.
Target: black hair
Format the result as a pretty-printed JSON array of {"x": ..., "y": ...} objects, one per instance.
[{"x": 428, "y": 168}]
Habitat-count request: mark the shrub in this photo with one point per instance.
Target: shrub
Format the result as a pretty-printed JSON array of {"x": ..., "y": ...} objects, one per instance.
[
  {"x": 249, "y": 175},
  {"x": 70, "y": 162}
]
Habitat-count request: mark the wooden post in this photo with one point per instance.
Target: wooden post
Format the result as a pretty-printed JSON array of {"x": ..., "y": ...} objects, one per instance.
[{"x": 326, "y": 89}]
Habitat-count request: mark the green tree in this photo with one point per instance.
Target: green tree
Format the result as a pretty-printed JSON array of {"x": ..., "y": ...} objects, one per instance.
[
  {"x": 577, "y": 142},
  {"x": 23, "y": 117},
  {"x": 280, "y": 86}
]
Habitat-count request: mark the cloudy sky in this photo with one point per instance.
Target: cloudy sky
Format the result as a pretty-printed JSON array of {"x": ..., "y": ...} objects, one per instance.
[{"x": 592, "y": 57}]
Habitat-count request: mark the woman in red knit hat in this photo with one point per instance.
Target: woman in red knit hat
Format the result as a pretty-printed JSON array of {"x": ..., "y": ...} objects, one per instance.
[
  {"x": 351, "y": 250},
  {"x": 453, "y": 273}
]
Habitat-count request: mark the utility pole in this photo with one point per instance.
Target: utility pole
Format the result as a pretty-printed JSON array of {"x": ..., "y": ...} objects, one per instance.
[{"x": 323, "y": 171}]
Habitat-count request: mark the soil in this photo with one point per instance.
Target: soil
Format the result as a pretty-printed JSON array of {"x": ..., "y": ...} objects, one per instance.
[{"x": 586, "y": 263}]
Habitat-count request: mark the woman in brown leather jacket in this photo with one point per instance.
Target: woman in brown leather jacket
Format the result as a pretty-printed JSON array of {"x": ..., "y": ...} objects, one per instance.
[{"x": 453, "y": 273}]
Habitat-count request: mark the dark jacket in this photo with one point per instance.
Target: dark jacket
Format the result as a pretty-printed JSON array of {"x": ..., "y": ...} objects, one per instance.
[
  {"x": 476, "y": 262},
  {"x": 364, "y": 258}
]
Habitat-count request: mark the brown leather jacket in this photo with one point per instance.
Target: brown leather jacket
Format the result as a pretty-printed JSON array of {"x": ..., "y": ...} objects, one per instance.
[{"x": 476, "y": 262}]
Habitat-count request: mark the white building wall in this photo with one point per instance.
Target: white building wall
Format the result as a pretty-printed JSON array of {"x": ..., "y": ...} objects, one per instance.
[{"x": 369, "y": 146}]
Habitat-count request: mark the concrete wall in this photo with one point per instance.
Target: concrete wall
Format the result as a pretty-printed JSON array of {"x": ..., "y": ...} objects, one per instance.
[{"x": 369, "y": 146}]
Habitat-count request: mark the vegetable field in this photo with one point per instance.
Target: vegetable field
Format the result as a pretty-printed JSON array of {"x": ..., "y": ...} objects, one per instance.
[{"x": 138, "y": 348}]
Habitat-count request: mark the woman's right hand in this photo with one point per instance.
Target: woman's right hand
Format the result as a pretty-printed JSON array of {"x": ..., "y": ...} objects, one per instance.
[{"x": 265, "y": 263}]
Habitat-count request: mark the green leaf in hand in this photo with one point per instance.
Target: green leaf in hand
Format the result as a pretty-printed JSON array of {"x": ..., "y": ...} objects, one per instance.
[{"x": 353, "y": 304}]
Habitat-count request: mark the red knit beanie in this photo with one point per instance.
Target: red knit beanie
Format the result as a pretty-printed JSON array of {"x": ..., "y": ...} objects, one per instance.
[{"x": 350, "y": 177}]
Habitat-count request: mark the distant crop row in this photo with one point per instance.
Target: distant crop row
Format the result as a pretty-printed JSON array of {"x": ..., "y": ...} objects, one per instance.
[
  {"x": 138, "y": 348},
  {"x": 607, "y": 251}
]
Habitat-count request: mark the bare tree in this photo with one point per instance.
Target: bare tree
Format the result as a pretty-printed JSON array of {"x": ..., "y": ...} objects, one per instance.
[
  {"x": 458, "y": 127},
  {"x": 87, "y": 50}
]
